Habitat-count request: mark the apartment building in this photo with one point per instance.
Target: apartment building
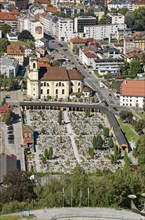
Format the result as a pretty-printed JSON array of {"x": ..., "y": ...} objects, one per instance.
[
  {"x": 64, "y": 29},
  {"x": 132, "y": 93},
  {"x": 118, "y": 4},
  {"x": 137, "y": 41},
  {"x": 46, "y": 21},
  {"x": 8, "y": 18},
  {"x": 82, "y": 21},
  {"x": 115, "y": 19},
  {"x": 100, "y": 32}
]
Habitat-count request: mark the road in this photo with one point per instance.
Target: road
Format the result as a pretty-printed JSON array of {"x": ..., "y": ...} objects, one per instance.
[
  {"x": 72, "y": 136},
  {"x": 85, "y": 213}
]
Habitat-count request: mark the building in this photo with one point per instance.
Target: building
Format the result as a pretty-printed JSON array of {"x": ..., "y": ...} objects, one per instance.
[
  {"x": 28, "y": 136},
  {"x": 81, "y": 22},
  {"x": 115, "y": 18},
  {"x": 17, "y": 52},
  {"x": 138, "y": 4},
  {"x": 8, "y": 18},
  {"x": 132, "y": 93},
  {"x": 64, "y": 29},
  {"x": 8, "y": 66},
  {"x": 100, "y": 32},
  {"x": 136, "y": 42},
  {"x": 56, "y": 82},
  {"x": 12, "y": 37},
  {"x": 36, "y": 28},
  {"x": 46, "y": 21},
  {"x": 7, "y": 163},
  {"x": 118, "y": 4}
]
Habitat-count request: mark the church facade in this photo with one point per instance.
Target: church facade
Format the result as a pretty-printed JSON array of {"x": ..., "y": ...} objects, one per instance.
[{"x": 55, "y": 82}]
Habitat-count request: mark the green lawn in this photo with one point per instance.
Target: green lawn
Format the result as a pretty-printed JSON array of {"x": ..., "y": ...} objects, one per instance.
[
  {"x": 27, "y": 43},
  {"x": 142, "y": 115},
  {"x": 130, "y": 135},
  {"x": 10, "y": 217}
]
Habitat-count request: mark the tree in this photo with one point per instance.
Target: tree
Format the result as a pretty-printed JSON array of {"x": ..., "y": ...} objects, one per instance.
[
  {"x": 126, "y": 115},
  {"x": 87, "y": 112},
  {"x": 106, "y": 132},
  {"x": 7, "y": 116},
  {"x": 25, "y": 36},
  {"x": 123, "y": 10},
  {"x": 135, "y": 67},
  {"x": 50, "y": 153},
  {"x": 91, "y": 152},
  {"x": 55, "y": 63},
  {"x": 60, "y": 117},
  {"x": 129, "y": 19},
  {"x": 126, "y": 159},
  {"x": 97, "y": 142},
  {"x": 103, "y": 20},
  {"x": 18, "y": 187},
  {"x": 5, "y": 29},
  {"x": 3, "y": 45},
  {"x": 110, "y": 142},
  {"x": 59, "y": 14},
  {"x": 139, "y": 125},
  {"x": 139, "y": 23}
]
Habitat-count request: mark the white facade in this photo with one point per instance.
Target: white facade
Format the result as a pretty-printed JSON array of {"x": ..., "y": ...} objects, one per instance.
[
  {"x": 36, "y": 29},
  {"x": 99, "y": 32},
  {"x": 64, "y": 29},
  {"x": 8, "y": 66},
  {"x": 129, "y": 4},
  {"x": 46, "y": 21},
  {"x": 131, "y": 101},
  {"x": 12, "y": 37},
  {"x": 39, "y": 43},
  {"x": 115, "y": 18}
]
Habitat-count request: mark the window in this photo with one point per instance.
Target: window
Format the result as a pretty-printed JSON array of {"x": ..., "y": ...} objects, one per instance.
[
  {"x": 56, "y": 91},
  {"x": 47, "y": 91},
  {"x": 62, "y": 91},
  {"x": 79, "y": 83},
  {"x": 44, "y": 83},
  {"x": 79, "y": 90},
  {"x": 41, "y": 91},
  {"x": 47, "y": 84},
  {"x": 59, "y": 83},
  {"x": 41, "y": 84},
  {"x": 34, "y": 65}
]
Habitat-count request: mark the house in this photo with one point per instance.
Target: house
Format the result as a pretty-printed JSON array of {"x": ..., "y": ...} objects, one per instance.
[
  {"x": 118, "y": 4},
  {"x": 56, "y": 82},
  {"x": 43, "y": 62},
  {"x": 88, "y": 56},
  {"x": 7, "y": 163},
  {"x": 77, "y": 42},
  {"x": 132, "y": 93},
  {"x": 17, "y": 52},
  {"x": 8, "y": 66}
]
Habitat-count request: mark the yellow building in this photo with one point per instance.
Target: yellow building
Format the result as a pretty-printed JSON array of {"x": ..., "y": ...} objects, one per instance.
[
  {"x": 139, "y": 4},
  {"x": 55, "y": 82},
  {"x": 17, "y": 52}
]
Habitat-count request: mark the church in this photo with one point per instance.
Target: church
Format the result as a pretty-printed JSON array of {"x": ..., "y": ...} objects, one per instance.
[{"x": 54, "y": 82}]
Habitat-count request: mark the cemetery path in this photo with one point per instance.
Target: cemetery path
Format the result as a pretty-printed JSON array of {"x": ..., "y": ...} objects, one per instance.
[
  {"x": 28, "y": 117},
  {"x": 71, "y": 135}
]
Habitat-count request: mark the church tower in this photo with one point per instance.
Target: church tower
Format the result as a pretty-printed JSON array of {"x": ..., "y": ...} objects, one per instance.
[{"x": 33, "y": 78}]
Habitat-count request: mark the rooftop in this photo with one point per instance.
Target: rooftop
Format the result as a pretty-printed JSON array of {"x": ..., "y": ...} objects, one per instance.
[{"x": 134, "y": 88}]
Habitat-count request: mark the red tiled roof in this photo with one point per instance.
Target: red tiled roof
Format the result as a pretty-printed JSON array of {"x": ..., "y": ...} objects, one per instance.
[
  {"x": 43, "y": 59},
  {"x": 37, "y": 15},
  {"x": 4, "y": 108},
  {"x": 139, "y": 2},
  {"x": 88, "y": 53},
  {"x": 14, "y": 12},
  {"x": 51, "y": 9},
  {"x": 78, "y": 40},
  {"x": 133, "y": 88},
  {"x": 7, "y": 16}
]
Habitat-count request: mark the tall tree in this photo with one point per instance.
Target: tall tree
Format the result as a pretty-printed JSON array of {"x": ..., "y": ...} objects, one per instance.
[
  {"x": 18, "y": 187},
  {"x": 25, "y": 36},
  {"x": 135, "y": 67}
]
